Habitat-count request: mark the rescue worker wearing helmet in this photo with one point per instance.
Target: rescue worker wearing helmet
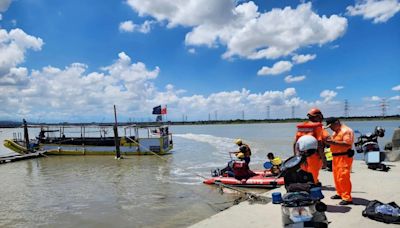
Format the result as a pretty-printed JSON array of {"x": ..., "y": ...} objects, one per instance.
[
  {"x": 245, "y": 149},
  {"x": 314, "y": 128},
  {"x": 341, "y": 144}
]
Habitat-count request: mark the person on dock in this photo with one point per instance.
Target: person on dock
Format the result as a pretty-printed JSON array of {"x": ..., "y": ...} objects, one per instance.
[
  {"x": 341, "y": 144},
  {"x": 245, "y": 149},
  {"x": 276, "y": 163},
  {"x": 314, "y": 128},
  {"x": 329, "y": 157}
]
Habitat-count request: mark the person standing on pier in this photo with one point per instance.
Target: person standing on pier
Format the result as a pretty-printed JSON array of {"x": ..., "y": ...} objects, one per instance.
[
  {"x": 315, "y": 128},
  {"x": 245, "y": 149},
  {"x": 341, "y": 147}
]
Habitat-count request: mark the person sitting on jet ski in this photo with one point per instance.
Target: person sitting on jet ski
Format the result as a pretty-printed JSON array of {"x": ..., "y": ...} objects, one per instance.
[
  {"x": 276, "y": 163},
  {"x": 238, "y": 168}
]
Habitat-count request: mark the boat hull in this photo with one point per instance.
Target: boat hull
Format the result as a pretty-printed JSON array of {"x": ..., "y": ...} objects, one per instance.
[
  {"x": 85, "y": 150},
  {"x": 259, "y": 181}
]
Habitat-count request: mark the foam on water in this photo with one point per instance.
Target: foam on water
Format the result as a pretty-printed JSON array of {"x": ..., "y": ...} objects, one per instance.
[{"x": 222, "y": 144}]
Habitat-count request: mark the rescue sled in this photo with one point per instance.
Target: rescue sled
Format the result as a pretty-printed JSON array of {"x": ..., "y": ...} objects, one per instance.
[{"x": 262, "y": 179}]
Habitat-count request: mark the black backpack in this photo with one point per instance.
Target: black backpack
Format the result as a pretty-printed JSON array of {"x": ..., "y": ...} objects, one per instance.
[{"x": 370, "y": 213}]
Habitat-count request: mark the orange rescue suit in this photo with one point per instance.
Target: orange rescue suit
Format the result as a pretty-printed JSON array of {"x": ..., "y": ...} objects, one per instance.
[
  {"x": 314, "y": 162},
  {"x": 341, "y": 164}
]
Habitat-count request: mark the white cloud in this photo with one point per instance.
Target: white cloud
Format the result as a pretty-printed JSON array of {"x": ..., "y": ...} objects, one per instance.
[
  {"x": 244, "y": 30},
  {"x": 396, "y": 88},
  {"x": 328, "y": 95},
  {"x": 277, "y": 68},
  {"x": 129, "y": 26},
  {"x": 298, "y": 59},
  {"x": 290, "y": 78},
  {"x": 13, "y": 46},
  {"x": 51, "y": 92},
  {"x": 126, "y": 26},
  {"x": 395, "y": 98},
  {"x": 54, "y": 90},
  {"x": 378, "y": 10},
  {"x": 192, "y": 51},
  {"x": 339, "y": 87},
  {"x": 4, "y": 4},
  {"x": 373, "y": 98}
]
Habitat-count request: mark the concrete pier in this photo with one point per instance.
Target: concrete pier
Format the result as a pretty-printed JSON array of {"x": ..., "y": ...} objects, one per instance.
[{"x": 367, "y": 185}]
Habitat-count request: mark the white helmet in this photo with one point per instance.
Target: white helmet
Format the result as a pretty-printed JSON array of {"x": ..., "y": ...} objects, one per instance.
[{"x": 306, "y": 142}]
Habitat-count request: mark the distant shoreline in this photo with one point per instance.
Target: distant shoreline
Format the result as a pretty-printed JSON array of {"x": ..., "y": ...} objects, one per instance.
[{"x": 15, "y": 124}]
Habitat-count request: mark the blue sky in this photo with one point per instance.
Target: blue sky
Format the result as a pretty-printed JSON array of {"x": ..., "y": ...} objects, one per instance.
[{"x": 72, "y": 60}]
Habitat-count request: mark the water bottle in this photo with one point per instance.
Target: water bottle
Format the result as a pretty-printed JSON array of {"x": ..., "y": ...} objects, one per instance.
[{"x": 387, "y": 210}]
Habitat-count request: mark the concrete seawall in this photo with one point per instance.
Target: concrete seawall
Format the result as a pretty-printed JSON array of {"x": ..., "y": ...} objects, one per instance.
[{"x": 367, "y": 185}]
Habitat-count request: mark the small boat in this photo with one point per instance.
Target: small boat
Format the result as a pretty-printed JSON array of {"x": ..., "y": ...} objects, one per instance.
[
  {"x": 262, "y": 179},
  {"x": 137, "y": 140}
]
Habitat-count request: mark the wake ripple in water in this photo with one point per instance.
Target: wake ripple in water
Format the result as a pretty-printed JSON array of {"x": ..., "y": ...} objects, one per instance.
[{"x": 222, "y": 144}]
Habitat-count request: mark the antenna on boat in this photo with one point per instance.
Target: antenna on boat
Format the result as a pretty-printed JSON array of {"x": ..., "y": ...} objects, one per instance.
[{"x": 117, "y": 151}]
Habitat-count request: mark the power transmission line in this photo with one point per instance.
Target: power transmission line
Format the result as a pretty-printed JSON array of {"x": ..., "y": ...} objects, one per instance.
[
  {"x": 346, "y": 108},
  {"x": 384, "y": 106},
  {"x": 268, "y": 112},
  {"x": 292, "y": 112}
]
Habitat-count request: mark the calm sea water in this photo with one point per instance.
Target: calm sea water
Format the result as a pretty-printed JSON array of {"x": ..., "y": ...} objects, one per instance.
[{"x": 139, "y": 191}]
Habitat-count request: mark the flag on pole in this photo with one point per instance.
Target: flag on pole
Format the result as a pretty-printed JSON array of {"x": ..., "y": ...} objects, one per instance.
[
  {"x": 157, "y": 110},
  {"x": 164, "y": 111}
]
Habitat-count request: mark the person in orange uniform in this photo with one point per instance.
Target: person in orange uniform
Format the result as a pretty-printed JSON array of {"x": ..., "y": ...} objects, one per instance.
[
  {"x": 315, "y": 128},
  {"x": 341, "y": 148}
]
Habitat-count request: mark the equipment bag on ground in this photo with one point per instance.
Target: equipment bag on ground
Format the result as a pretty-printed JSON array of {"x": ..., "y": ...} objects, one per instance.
[{"x": 387, "y": 213}]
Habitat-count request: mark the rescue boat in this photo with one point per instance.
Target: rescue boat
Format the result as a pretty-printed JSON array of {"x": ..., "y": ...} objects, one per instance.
[{"x": 262, "y": 179}]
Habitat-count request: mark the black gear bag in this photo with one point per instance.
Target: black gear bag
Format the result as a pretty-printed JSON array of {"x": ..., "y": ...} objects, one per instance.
[{"x": 371, "y": 213}]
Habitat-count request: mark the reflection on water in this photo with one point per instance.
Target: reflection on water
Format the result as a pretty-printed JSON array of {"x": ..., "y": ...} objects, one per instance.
[{"x": 139, "y": 191}]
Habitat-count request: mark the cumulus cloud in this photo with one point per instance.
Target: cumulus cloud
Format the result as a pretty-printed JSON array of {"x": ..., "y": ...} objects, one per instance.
[
  {"x": 4, "y": 4},
  {"x": 396, "y": 88},
  {"x": 129, "y": 26},
  {"x": 298, "y": 59},
  {"x": 395, "y": 98},
  {"x": 13, "y": 46},
  {"x": 290, "y": 78},
  {"x": 244, "y": 30},
  {"x": 373, "y": 98},
  {"x": 126, "y": 26},
  {"x": 377, "y": 10},
  {"x": 277, "y": 68},
  {"x": 328, "y": 95},
  {"x": 339, "y": 87},
  {"x": 56, "y": 90},
  {"x": 52, "y": 91}
]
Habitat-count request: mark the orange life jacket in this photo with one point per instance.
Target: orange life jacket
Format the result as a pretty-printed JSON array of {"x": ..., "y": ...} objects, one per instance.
[{"x": 309, "y": 128}]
